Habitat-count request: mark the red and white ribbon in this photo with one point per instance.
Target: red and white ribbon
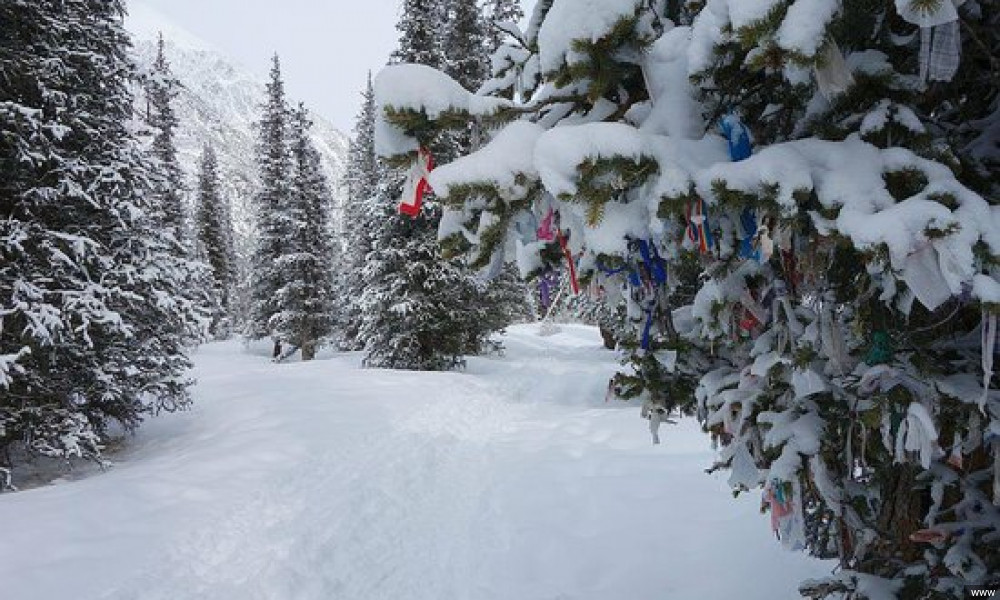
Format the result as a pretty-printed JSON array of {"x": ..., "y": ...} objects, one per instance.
[{"x": 416, "y": 184}]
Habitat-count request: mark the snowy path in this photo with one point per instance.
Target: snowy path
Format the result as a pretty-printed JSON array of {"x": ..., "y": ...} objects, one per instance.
[{"x": 512, "y": 481}]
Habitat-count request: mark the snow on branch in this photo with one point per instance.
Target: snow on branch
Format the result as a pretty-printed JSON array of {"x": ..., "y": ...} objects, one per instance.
[
  {"x": 504, "y": 162},
  {"x": 882, "y": 199},
  {"x": 570, "y": 21},
  {"x": 410, "y": 96}
]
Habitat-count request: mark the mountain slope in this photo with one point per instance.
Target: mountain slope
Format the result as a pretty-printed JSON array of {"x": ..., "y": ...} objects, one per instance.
[{"x": 218, "y": 104}]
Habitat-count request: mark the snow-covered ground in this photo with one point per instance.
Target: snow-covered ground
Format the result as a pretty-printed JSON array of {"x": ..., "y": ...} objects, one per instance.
[{"x": 510, "y": 481}]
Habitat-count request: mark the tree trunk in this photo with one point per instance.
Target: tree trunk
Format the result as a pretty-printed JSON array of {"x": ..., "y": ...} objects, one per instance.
[
  {"x": 609, "y": 338},
  {"x": 902, "y": 514},
  {"x": 308, "y": 349}
]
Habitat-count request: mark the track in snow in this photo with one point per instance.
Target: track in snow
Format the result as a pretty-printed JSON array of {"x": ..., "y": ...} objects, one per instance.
[{"x": 511, "y": 481}]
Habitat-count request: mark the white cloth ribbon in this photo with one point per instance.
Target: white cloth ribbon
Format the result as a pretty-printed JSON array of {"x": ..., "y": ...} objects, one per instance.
[
  {"x": 655, "y": 418},
  {"x": 940, "y": 51},
  {"x": 989, "y": 345},
  {"x": 996, "y": 474},
  {"x": 834, "y": 77},
  {"x": 940, "y": 36},
  {"x": 918, "y": 13}
]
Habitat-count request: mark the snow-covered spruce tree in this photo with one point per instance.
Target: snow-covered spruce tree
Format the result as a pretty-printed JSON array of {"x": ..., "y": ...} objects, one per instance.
[
  {"x": 842, "y": 331},
  {"x": 213, "y": 229},
  {"x": 361, "y": 178},
  {"x": 506, "y": 299},
  {"x": 161, "y": 89},
  {"x": 420, "y": 25},
  {"x": 304, "y": 302},
  {"x": 168, "y": 210},
  {"x": 465, "y": 43},
  {"x": 889, "y": 474},
  {"x": 272, "y": 223},
  {"x": 92, "y": 318},
  {"x": 465, "y": 53},
  {"x": 463, "y": 57},
  {"x": 415, "y": 312},
  {"x": 419, "y": 310}
]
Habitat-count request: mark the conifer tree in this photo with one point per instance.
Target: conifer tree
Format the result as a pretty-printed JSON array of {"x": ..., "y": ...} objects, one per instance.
[
  {"x": 465, "y": 55},
  {"x": 273, "y": 227},
  {"x": 214, "y": 233},
  {"x": 168, "y": 210},
  {"x": 419, "y": 310},
  {"x": 420, "y": 25},
  {"x": 161, "y": 89},
  {"x": 898, "y": 457},
  {"x": 415, "y": 313},
  {"x": 837, "y": 333},
  {"x": 304, "y": 302},
  {"x": 360, "y": 216},
  {"x": 465, "y": 43},
  {"x": 95, "y": 319}
]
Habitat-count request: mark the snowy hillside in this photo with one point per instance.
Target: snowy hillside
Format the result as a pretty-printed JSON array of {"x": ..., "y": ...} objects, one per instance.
[
  {"x": 219, "y": 103},
  {"x": 513, "y": 480}
]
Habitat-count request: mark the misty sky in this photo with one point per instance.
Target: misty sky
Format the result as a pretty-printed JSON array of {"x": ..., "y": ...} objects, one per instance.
[{"x": 326, "y": 46}]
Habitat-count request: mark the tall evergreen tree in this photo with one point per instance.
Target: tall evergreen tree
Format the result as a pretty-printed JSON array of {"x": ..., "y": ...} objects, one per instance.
[
  {"x": 304, "y": 315},
  {"x": 361, "y": 179},
  {"x": 415, "y": 311},
  {"x": 214, "y": 233},
  {"x": 273, "y": 227},
  {"x": 464, "y": 58},
  {"x": 837, "y": 333},
  {"x": 420, "y": 310},
  {"x": 161, "y": 89},
  {"x": 94, "y": 318},
  {"x": 420, "y": 26},
  {"x": 464, "y": 49},
  {"x": 871, "y": 490},
  {"x": 168, "y": 211}
]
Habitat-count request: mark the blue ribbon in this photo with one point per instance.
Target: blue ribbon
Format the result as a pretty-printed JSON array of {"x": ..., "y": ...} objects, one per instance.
[
  {"x": 633, "y": 276},
  {"x": 779, "y": 491},
  {"x": 656, "y": 268},
  {"x": 738, "y": 137},
  {"x": 644, "y": 343},
  {"x": 740, "y": 148},
  {"x": 654, "y": 264},
  {"x": 748, "y": 222},
  {"x": 707, "y": 232}
]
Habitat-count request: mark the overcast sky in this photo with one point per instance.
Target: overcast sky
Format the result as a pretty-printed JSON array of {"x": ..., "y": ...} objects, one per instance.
[{"x": 326, "y": 46}]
